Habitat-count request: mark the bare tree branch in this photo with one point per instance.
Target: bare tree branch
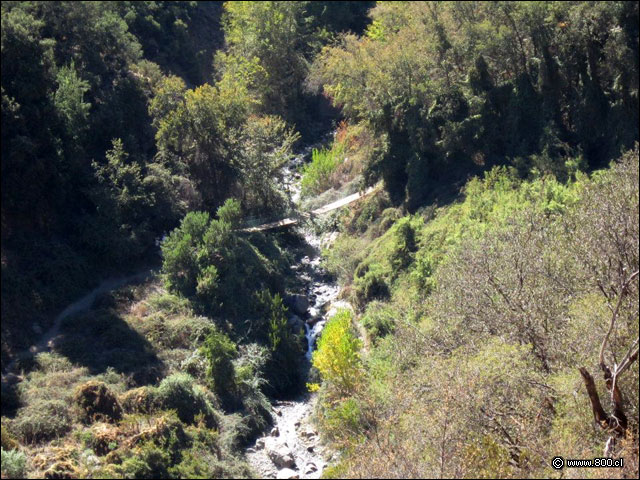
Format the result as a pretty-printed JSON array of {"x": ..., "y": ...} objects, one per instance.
[{"x": 614, "y": 316}]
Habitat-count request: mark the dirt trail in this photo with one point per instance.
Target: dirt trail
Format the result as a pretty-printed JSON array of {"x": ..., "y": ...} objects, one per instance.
[{"x": 80, "y": 305}]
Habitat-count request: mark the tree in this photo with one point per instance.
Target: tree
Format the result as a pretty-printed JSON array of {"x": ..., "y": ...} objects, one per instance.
[
  {"x": 337, "y": 357},
  {"x": 607, "y": 250}
]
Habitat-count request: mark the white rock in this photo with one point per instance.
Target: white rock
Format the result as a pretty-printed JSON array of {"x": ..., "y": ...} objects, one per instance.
[
  {"x": 286, "y": 473},
  {"x": 279, "y": 454}
]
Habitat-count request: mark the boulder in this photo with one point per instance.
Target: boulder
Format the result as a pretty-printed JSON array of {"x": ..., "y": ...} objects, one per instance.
[
  {"x": 286, "y": 473},
  {"x": 295, "y": 322},
  {"x": 280, "y": 455},
  {"x": 310, "y": 468},
  {"x": 299, "y": 304},
  {"x": 309, "y": 433}
]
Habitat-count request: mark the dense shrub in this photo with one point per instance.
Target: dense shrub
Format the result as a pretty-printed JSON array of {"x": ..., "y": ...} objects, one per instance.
[
  {"x": 372, "y": 285},
  {"x": 138, "y": 400},
  {"x": 378, "y": 320},
  {"x": 316, "y": 175},
  {"x": 43, "y": 420},
  {"x": 210, "y": 262},
  {"x": 405, "y": 245},
  {"x": 149, "y": 461},
  {"x": 529, "y": 274},
  {"x": 179, "y": 392},
  {"x": 97, "y": 402},
  {"x": 219, "y": 351},
  {"x": 337, "y": 357},
  {"x": 250, "y": 380},
  {"x": 13, "y": 464}
]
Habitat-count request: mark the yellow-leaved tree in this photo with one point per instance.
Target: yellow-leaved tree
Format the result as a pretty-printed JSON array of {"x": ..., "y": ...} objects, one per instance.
[{"x": 337, "y": 357}]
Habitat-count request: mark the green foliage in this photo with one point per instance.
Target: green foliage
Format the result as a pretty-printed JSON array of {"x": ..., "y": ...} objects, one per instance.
[
  {"x": 281, "y": 369},
  {"x": 337, "y": 357},
  {"x": 513, "y": 274},
  {"x": 371, "y": 285},
  {"x": 69, "y": 99},
  {"x": 220, "y": 351},
  {"x": 344, "y": 421},
  {"x": 266, "y": 145},
  {"x": 378, "y": 320},
  {"x": 430, "y": 82},
  {"x": 316, "y": 176},
  {"x": 208, "y": 261},
  {"x": 229, "y": 213},
  {"x": 179, "y": 392},
  {"x": 150, "y": 461},
  {"x": 277, "y": 318},
  {"x": 269, "y": 32},
  {"x": 405, "y": 245},
  {"x": 43, "y": 420},
  {"x": 14, "y": 464}
]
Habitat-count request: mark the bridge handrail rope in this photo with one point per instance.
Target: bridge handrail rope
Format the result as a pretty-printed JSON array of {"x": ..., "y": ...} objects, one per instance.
[{"x": 296, "y": 216}]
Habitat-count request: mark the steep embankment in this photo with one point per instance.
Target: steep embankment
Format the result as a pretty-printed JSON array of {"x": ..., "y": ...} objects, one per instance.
[{"x": 81, "y": 305}]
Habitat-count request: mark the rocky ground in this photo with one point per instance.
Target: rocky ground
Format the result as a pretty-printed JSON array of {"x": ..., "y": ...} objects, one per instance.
[{"x": 292, "y": 449}]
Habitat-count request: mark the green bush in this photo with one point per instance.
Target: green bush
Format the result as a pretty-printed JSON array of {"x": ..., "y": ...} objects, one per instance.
[
  {"x": 179, "y": 392},
  {"x": 97, "y": 402},
  {"x": 281, "y": 370},
  {"x": 404, "y": 246},
  {"x": 343, "y": 420},
  {"x": 249, "y": 369},
  {"x": 150, "y": 461},
  {"x": 317, "y": 174},
  {"x": 43, "y": 420},
  {"x": 219, "y": 351},
  {"x": 13, "y": 464},
  {"x": 372, "y": 285},
  {"x": 379, "y": 320},
  {"x": 337, "y": 357}
]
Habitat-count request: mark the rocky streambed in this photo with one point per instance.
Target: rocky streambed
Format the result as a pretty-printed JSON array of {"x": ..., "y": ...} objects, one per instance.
[{"x": 292, "y": 449}]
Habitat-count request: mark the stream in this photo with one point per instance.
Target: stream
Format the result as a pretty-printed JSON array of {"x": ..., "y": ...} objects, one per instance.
[{"x": 292, "y": 448}]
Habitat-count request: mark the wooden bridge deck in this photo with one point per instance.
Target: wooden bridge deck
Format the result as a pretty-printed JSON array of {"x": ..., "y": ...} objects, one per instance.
[{"x": 287, "y": 222}]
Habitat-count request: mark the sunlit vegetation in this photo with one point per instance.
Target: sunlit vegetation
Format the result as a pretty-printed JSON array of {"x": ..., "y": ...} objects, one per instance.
[
  {"x": 450, "y": 88},
  {"x": 493, "y": 308},
  {"x": 492, "y": 273}
]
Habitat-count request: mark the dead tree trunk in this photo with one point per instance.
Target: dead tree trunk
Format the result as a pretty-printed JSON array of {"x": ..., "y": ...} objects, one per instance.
[{"x": 616, "y": 423}]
